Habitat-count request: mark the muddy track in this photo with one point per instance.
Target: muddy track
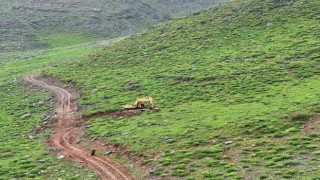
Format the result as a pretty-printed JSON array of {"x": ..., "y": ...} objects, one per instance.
[{"x": 66, "y": 131}]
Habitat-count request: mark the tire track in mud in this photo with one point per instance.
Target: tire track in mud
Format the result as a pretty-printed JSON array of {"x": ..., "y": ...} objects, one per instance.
[{"x": 66, "y": 131}]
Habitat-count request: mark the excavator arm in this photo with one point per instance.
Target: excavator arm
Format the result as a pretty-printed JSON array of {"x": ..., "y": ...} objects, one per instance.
[{"x": 139, "y": 102}]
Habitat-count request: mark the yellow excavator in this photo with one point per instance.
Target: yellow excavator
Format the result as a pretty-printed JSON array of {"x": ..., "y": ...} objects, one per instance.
[{"x": 140, "y": 104}]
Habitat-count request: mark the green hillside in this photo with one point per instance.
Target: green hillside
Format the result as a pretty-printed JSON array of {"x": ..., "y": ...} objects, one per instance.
[
  {"x": 26, "y": 25},
  {"x": 246, "y": 72}
]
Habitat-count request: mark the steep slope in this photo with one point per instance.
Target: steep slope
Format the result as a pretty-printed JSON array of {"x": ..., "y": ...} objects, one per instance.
[
  {"x": 34, "y": 24},
  {"x": 235, "y": 85}
]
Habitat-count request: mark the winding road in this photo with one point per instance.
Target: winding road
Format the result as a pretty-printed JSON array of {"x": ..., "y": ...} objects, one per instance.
[{"x": 66, "y": 131}]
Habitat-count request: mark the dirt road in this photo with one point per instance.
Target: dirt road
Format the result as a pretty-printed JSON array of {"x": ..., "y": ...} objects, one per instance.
[{"x": 66, "y": 131}]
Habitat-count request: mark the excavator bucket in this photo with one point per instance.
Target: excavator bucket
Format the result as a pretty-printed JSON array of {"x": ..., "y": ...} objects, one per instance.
[{"x": 128, "y": 106}]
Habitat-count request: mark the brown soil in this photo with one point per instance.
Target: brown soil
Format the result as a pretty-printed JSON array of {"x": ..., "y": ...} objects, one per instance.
[
  {"x": 66, "y": 131},
  {"x": 117, "y": 114},
  {"x": 313, "y": 125}
]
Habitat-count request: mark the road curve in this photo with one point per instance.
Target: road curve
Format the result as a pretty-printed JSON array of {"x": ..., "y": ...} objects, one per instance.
[{"x": 65, "y": 136}]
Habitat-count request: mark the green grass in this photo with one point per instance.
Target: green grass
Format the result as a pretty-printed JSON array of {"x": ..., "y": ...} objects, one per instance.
[
  {"x": 14, "y": 68},
  {"x": 246, "y": 72},
  {"x": 63, "y": 40}
]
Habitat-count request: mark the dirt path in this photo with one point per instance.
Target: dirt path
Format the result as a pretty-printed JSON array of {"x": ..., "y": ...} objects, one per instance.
[{"x": 65, "y": 136}]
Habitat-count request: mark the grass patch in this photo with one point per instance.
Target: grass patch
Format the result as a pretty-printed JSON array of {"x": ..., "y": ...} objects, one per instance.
[{"x": 63, "y": 40}]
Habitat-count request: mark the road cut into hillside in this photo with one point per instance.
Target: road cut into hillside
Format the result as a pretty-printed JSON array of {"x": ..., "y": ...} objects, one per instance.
[{"x": 65, "y": 134}]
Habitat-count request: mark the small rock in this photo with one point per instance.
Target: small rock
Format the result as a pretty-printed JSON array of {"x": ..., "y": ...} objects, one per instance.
[
  {"x": 108, "y": 152},
  {"x": 30, "y": 137},
  {"x": 42, "y": 161},
  {"x": 26, "y": 174},
  {"x": 167, "y": 138},
  {"x": 41, "y": 103},
  {"x": 131, "y": 83},
  {"x": 34, "y": 105},
  {"x": 46, "y": 118},
  {"x": 228, "y": 142},
  {"x": 27, "y": 156},
  {"x": 94, "y": 90},
  {"x": 41, "y": 172},
  {"x": 170, "y": 141},
  {"x": 26, "y": 115},
  {"x": 60, "y": 157}
]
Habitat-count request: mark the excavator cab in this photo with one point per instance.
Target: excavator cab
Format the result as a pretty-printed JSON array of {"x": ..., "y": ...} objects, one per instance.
[{"x": 141, "y": 105}]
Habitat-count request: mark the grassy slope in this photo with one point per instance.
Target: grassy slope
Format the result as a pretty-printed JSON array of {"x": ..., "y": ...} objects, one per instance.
[
  {"x": 22, "y": 151},
  {"x": 246, "y": 72},
  {"x": 28, "y": 24}
]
